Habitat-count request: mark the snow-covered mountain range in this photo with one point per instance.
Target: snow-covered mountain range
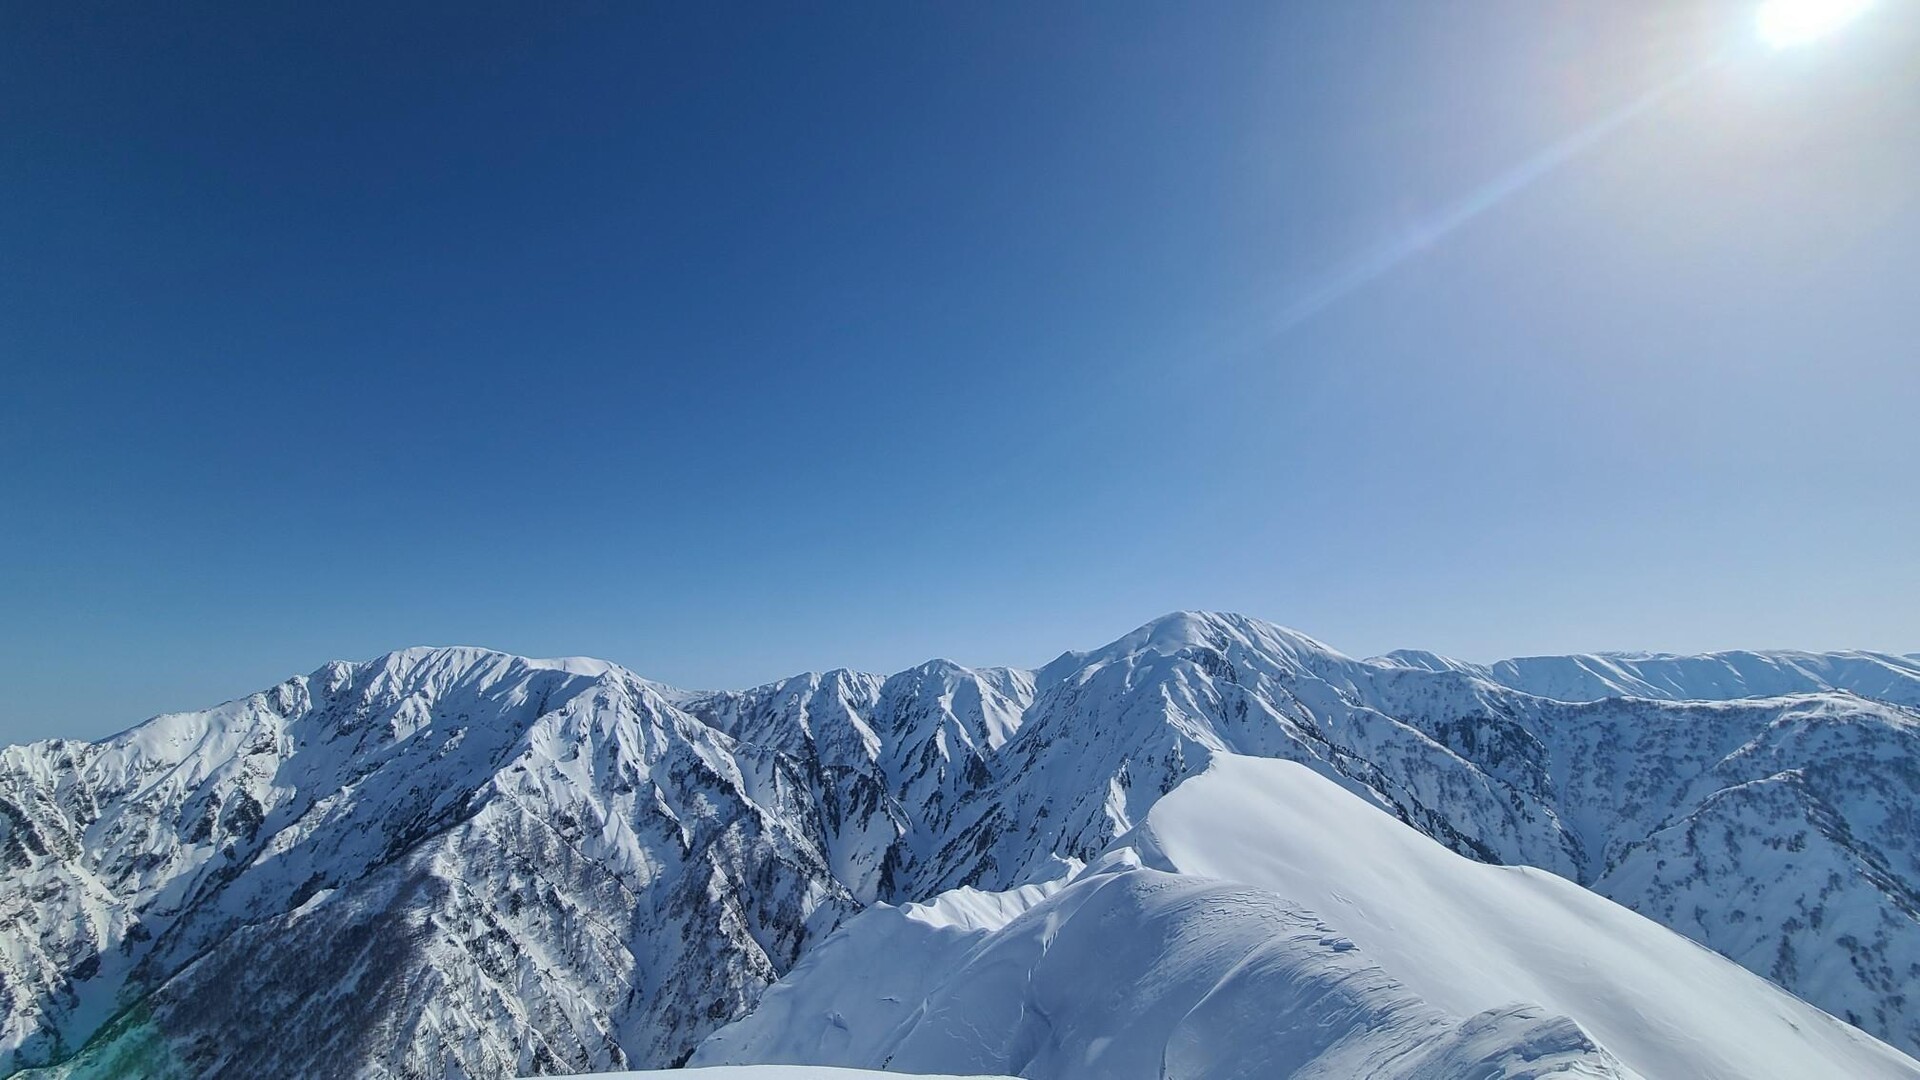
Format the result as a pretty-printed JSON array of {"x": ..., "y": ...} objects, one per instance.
[{"x": 451, "y": 862}]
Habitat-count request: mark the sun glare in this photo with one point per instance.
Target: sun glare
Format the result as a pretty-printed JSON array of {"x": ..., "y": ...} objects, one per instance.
[{"x": 1786, "y": 23}]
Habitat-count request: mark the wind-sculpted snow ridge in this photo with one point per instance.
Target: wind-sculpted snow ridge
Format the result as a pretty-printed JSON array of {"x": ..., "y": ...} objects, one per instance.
[
  {"x": 1134, "y": 974},
  {"x": 452, "y": 862},
  {"x": 1261, "y": 922}
]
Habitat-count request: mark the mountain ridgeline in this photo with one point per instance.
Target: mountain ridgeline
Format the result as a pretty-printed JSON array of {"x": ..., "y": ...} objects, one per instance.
[{"x": 454, "y": 862}]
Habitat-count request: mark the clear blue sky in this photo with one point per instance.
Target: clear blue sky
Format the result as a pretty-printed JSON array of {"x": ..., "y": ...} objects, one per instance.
[{"x": 730, "y": 343}]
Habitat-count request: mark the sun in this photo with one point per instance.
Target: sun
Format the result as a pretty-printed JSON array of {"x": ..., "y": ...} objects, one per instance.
[{"x": 1786, "y": 23}]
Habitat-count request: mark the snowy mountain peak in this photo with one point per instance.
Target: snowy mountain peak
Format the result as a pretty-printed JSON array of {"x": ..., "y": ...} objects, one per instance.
[
  {"x": 422, "y": 666},
  {"x": 1183, "y": 633},
  {"x": 1422, "y": 660},
  {"x": 458, "y": 862},
  {"x": 1179, "y": 630}
]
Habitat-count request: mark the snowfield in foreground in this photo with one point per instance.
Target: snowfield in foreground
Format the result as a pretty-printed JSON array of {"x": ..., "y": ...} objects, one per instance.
[{"x": 1262, "y": 922}]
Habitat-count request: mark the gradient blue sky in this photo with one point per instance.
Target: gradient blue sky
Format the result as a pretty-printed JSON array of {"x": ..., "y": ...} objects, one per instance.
[{"x": 734, "y": 342}]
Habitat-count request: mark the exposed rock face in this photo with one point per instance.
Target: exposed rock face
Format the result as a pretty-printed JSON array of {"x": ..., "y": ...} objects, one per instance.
[{"x": 455, "y": 862}]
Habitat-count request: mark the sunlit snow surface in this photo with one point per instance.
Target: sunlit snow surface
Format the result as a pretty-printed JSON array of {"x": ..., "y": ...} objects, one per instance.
[{"x": 1263, "y": 922}]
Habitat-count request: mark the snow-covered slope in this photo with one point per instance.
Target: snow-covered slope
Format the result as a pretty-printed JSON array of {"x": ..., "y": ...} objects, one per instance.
[
  {"x": 454, "y": 862},
  {"x": 439, "y": 859},
  {"x": 1263, "y": 922},
  {"x": 1467, "y": 935},
  {"x": 1135, "y": 974}
]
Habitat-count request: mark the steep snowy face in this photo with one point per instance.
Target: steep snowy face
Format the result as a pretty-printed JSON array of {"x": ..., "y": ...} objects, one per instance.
[
  {"x": 1796, "y": 857},
  {"x": 1261, "y": 922},
  {"x": 130, "y": 855},
  {"x": 1780, "y": 831},
  {"x": 454, "y": 862},
  {"x": 884, "y": 763},
  {"x": 443, "y": 859},
  {"x": 1114, "y": 730},
  {"x": 1639, "y": 799}
]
